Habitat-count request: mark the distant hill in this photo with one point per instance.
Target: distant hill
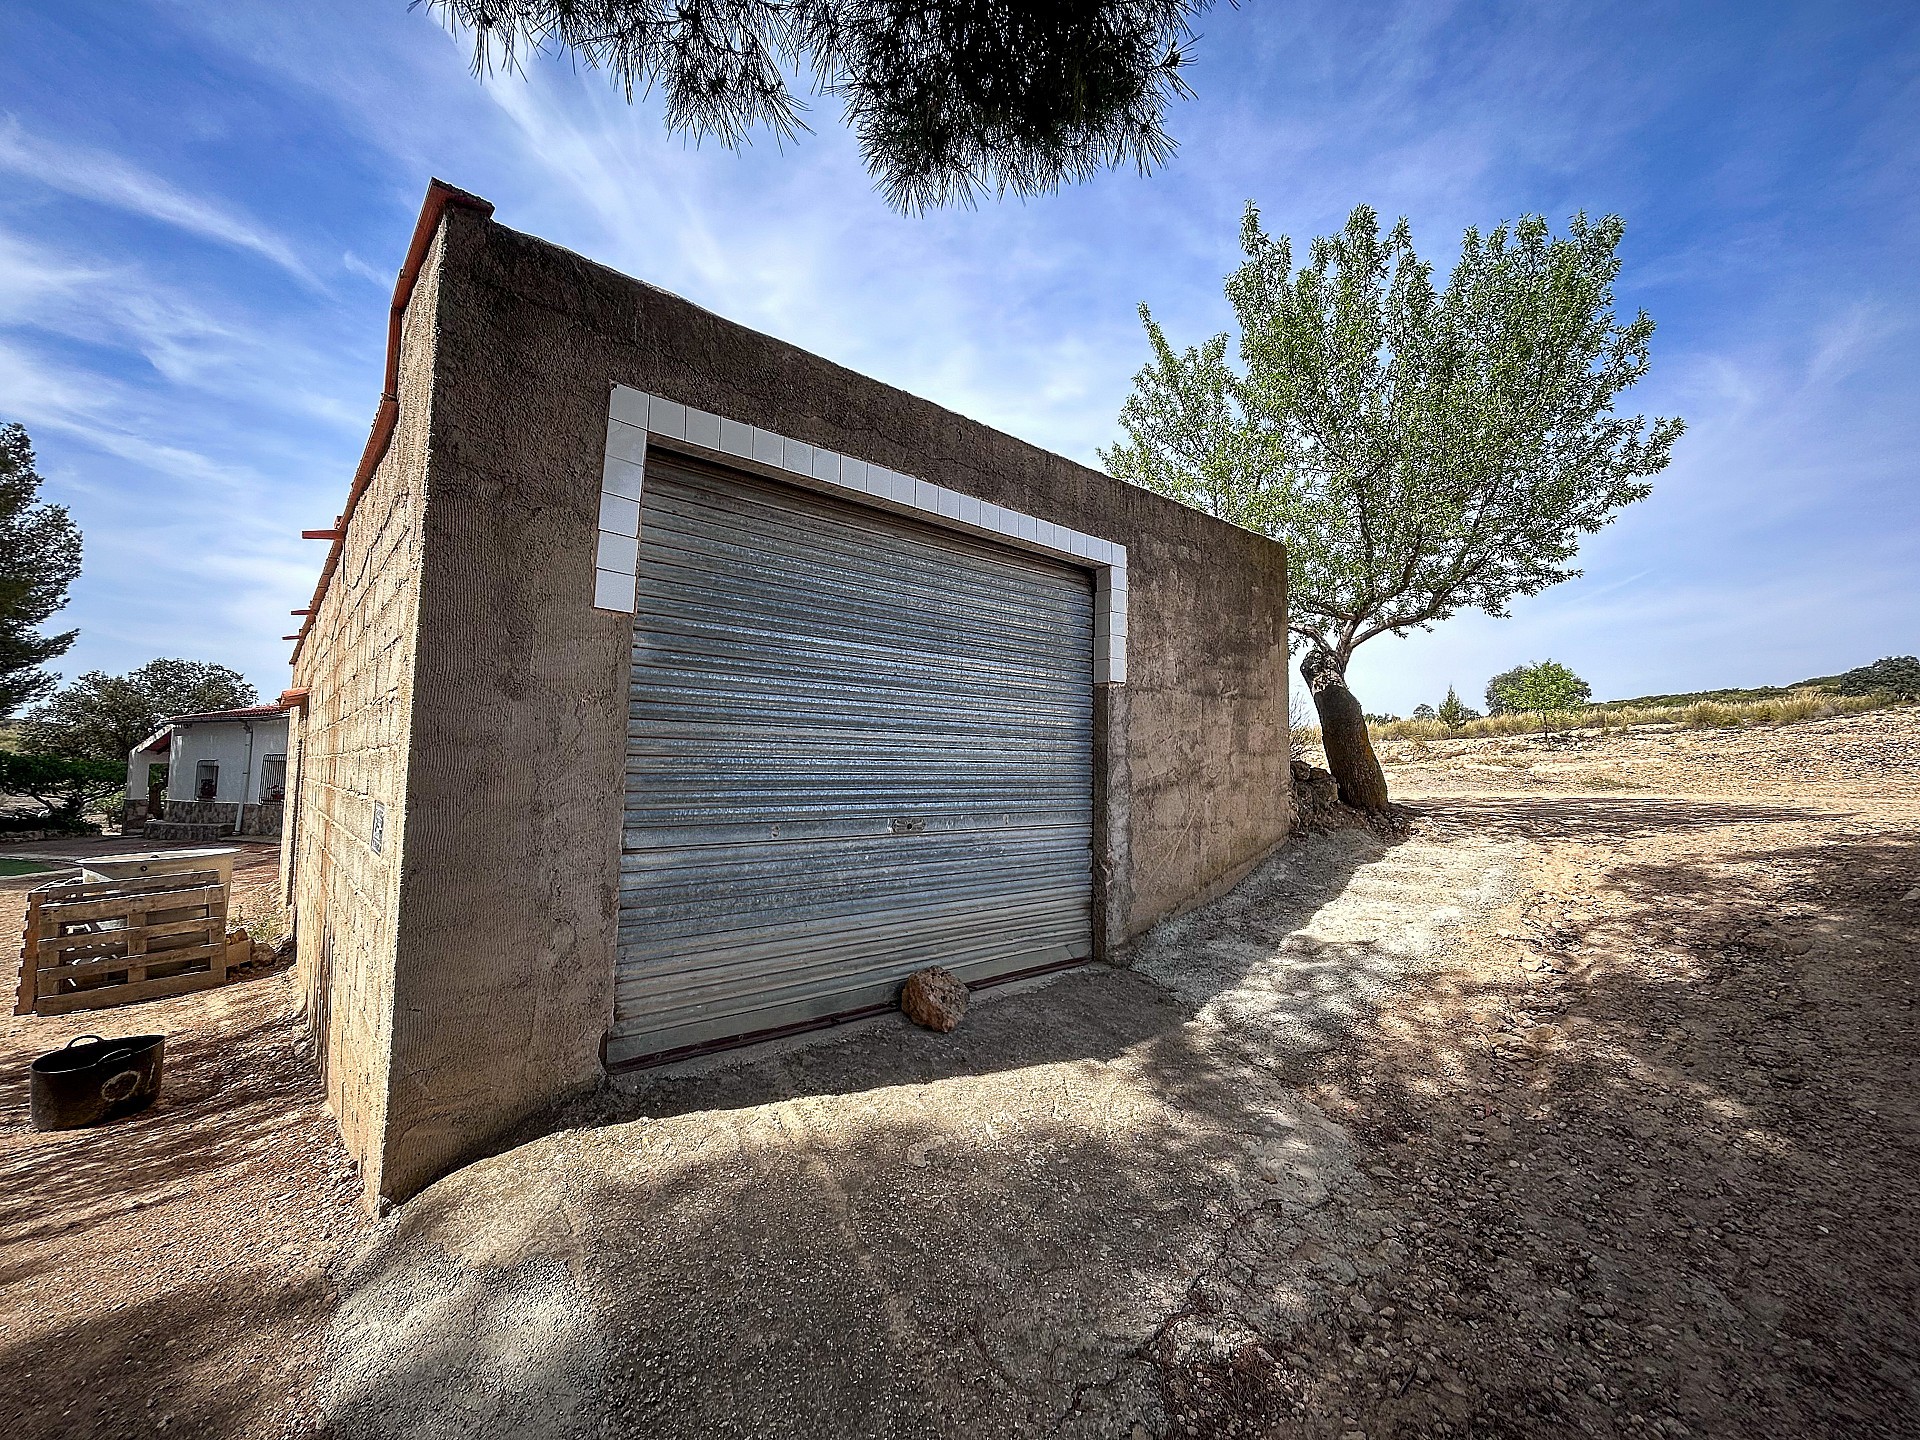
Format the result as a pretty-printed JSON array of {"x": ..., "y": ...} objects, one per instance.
[
  {"x": 1725, "y": 697},
  {"x": 1895, "y": 674}
]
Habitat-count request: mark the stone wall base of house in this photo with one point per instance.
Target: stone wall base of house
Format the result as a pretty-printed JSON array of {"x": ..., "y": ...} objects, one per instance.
[
  {"x": 176, "y": 831},
  {"x": 206, "y": 819}
]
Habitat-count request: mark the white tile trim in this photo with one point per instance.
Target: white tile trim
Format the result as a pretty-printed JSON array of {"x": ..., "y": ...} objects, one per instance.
[
  {"x": 622, "y": 472},
  {"x": 634, "y": 418}
]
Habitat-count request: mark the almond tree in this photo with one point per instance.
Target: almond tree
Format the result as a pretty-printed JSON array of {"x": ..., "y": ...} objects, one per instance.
[{"x": 1421, "y": 451}]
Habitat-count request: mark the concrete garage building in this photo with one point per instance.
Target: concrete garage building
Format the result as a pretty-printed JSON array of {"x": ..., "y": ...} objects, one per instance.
[{"x": 667, "y": 686}]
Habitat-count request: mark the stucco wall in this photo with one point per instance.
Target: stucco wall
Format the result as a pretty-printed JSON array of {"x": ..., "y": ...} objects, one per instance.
[
  {"x": 350, "y": 755},
  {"x": 536, "y": 334},
  {"x": 500, "y": 945},
  {"x": 138, "y": 763},
  {"x": 237, "y": 746}
]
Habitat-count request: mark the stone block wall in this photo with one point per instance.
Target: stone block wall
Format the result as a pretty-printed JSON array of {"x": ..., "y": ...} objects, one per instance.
[
  {"x": 347, "y": 768},
  {"x": 225, "y": 813},
  {"x": 264, "y": 818}
]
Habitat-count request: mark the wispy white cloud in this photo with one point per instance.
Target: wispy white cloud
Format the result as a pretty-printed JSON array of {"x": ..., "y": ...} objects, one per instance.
[
  {"x": 354, "y": 265},
  {"x": 1846, "y": 342},
  {"x": 118, "y": 305},
  {"x": 103, "y": 413},
  {"x": 99, "y": 176}
]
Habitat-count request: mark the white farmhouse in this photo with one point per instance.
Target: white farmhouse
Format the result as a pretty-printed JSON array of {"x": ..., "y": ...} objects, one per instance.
[{"x": 199, "y": 777}]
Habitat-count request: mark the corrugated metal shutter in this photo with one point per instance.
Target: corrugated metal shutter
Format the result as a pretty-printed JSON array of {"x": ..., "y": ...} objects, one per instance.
[{"x": 857, "y": 745}]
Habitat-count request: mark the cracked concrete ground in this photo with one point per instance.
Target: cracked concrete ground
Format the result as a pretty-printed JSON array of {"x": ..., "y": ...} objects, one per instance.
[{"x": 1014, "y": 1229}]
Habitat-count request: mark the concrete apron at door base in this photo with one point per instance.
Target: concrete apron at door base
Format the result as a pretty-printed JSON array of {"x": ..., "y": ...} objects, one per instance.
[{"x": 697, "y": 688}]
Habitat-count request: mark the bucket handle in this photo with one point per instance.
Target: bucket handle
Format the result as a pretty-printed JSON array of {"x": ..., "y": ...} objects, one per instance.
[{"x": 78, "y": 1038}]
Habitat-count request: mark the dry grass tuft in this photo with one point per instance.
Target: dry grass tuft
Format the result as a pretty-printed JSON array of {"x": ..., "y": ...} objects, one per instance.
[{"x": 1705, "y": 715}]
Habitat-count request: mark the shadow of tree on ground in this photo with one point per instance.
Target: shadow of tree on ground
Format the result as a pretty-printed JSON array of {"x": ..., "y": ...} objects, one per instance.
[{"x": 1647, "y": 1166}]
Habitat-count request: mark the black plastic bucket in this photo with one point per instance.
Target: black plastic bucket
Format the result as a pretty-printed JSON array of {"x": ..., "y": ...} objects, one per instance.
[{"x": 93, "y": 1080}]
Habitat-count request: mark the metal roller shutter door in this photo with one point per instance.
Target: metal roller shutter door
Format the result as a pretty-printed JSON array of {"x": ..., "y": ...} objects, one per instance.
[{"x": 857, "y": 744}]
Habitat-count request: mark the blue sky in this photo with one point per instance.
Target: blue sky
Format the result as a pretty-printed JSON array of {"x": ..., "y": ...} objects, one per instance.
[{"x": 202, "y": 208}]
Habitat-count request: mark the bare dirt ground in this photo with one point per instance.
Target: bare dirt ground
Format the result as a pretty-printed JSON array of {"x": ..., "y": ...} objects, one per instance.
[
  {"x": 1590, "y": 1108},
  {"x": 1586, "y": 1109},
  {"x": 1648, "y": 1141},
  {"x": 164, "y": 1275}
]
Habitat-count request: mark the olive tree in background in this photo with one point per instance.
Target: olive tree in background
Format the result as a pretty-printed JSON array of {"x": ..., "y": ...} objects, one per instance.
[
  {"x": 1546, "y": 690},
  {"x": 102, "y": 717},
  {"x": 1421, "y": 451},
  {"x": 39, "y": 560},
  {"x": 949, "y": 99}
]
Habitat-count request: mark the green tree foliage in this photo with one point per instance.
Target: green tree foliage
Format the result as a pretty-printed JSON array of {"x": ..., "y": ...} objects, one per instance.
[
  {"x": 102, "y": 717},
  {"x": 1546, "y": 690},
  {"x": 1425, "y": 712},
  {"x": 1421, "y": 450},
  {"x": 39, "y": 560},
  {"x": 65, "y": 790},
  {"x": 1897, "y": 675},
  {"x": 1452, "y": 713},
  {"x": 950, "y": 99},
  {"x": 1499, "y": 690},
  {"x": 1547, "y": 686}
]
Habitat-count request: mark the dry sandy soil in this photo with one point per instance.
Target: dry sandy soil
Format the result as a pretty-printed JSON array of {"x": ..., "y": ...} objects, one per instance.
[
  {"x": 164, "y": 1275},
  {"x": 1588, "y": 1108}
]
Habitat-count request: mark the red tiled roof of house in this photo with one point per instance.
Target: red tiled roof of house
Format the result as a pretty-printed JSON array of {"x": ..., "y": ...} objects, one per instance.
[{"x": 251, "y": 712}]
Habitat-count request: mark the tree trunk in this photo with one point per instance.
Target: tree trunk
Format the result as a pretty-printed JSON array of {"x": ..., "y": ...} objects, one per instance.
[{"x": 1343, "y": 733}]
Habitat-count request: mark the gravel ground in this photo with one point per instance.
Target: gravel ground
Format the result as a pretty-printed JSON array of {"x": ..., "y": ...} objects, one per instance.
[
  {"x": 1013, "y": 1230},
  {"x": 1589, "y": 1108},
  {"x": 1873, "y": 755},
  {"x": 165, "y": 1275}
]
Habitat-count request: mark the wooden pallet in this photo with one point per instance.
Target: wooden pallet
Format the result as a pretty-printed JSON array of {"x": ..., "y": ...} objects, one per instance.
[{"x": 91, "y": 944}]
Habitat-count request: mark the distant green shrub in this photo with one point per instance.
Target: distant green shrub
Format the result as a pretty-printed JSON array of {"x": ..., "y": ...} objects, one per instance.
[
  {"x": 64, "y": 790},
  {"x": 1702, "y": 715},
  {"x": 1454, "y": 712},
  {"x": 1897, "y": 676}
]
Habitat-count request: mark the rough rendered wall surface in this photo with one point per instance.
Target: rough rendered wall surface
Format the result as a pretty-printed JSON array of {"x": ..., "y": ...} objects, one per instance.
[
  {"x": 499, "y": 950},
  {"x": 350, "y": 754},
  {"x": 1206, "y": 705},
  {"x": 504, "y": 983}
]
